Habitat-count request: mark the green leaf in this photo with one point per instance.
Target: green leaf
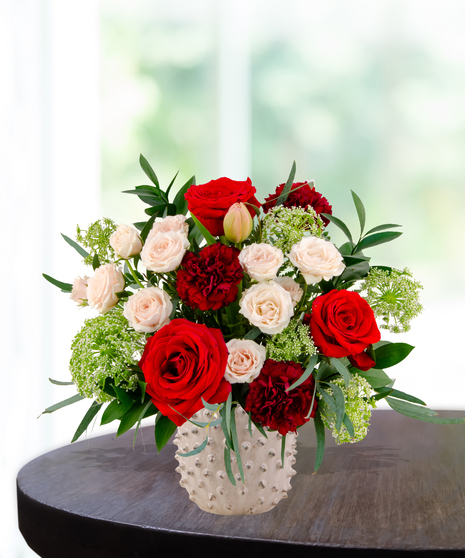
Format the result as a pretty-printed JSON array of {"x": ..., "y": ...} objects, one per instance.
[
  {"x": 65, "y": 287},
  {"x": 420, "y": 413},
  {"x": 360, "y": 211},
  {"x": 287, "y": 187},
  {"x": 236, "y": 446},
  {"x": 306, "y": 374},
  {"x": 377, "y": 238},
  {"x": 392, "y": 354},
  {"x": 208, "y": 237},
  {"x": 249, "y": 427},
  {"x": 346, "y": 248},
  {"x": 227, "y": 434},
  {"x": 260, "y": 428},
  {"x": 344, "y": 228},
  {"x": 179, "y": 200},
  {"x": 122, "y": 395},
  {"x": 141, "y": 416},
  {"x": 376, "y": 378},
  {"x": 64, "y": 403},
  {"x": 227, "y": 465},
  {"x": 228, "y": 411},
  {"x": 148, "y": 170},
  {"x": 155, "y": 209},
  {"x": 328, "y": 399},
  {"x": 143, "y": 387},
  {"x": 58, "y": 383},
  {"x": 401, "y": 395},
  {"x": 320, "y": 440},
  {"x": 164, "y": 429},
  {"x": 252, "y": 334},
  {"x": 348, "y": 424},
  {"x": 94, "y": 409},
  {"x": 325, "y": 371},
  {"x": 147, "y": 228},
  {"x": 76, "y": 246},
  {"x": 382, "y": 228},
  {"x": 342, "y": 369},
  {"x": 340, "y": 405},
  {"x": 195, "y": 451},
  {"x": 95, "y": 262},
  {"x": 175, "y": 303},
  {"x": 355, "y": 271},
  {"x": 283, "y": 448},
  {"x": 114, "y": 411},
  {"x": 129, "y": 419},
  {"x": 171, "y": 184}
]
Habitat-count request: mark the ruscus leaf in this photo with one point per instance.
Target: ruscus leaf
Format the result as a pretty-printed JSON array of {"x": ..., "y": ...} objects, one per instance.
[
  {"x": 287, "y": 187},
  {"x": 360, "y": 211},
  {"x": 76, "y": 246}
]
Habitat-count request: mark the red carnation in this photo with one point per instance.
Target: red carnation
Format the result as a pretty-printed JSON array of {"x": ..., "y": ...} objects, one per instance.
[
  {"x": 343, "y": 324},
  {"x": 269, "y": 403},
  {"x": 210, "y": 202},
  {"x": 301, "y": 195},
  {"x": 183, "y": 362},
  {"x": 210, "y": 280}
]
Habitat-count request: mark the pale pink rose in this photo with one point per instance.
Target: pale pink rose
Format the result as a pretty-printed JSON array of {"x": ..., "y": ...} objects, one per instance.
[
  {"x": 126, "y": 241},
  {"x": 261, "y": 261},
  {"x": 103, "y": 286},
  {"x": 164, "y": 251},
  {"x": 316, "y": 259},
  {"x": 79, "y": 290},
  {"x": 148, "y": 309},
  {"x": 268, "y": 306},
  {"x": 176, "y": 223},
  {"x": 292, "y": 287},
  {"x": 245, "y": 361}
]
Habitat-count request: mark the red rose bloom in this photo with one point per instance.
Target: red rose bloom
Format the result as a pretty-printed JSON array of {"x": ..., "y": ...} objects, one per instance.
[
  {"x": 269, "y": 403},
  {"x": 343, "y": 324},
  {"x": 183, "y": 362},
  {"x": 301, "y": 197},
  {"x": 210, "y": 279},
  {"x": 210, "y": 202}
]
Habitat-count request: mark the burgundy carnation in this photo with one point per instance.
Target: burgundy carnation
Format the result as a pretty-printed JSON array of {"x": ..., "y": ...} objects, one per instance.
[
  {"x": 210, "y": 280},
  {"x": 269, "y": 403},
  {"x": 301, "y": 197}
]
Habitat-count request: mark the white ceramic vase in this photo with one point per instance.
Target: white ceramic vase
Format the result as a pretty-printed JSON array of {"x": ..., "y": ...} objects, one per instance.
[{"x": 204, "y": 475}]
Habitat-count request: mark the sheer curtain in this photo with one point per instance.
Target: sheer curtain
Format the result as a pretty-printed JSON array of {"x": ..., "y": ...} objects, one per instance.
[{"x": 49, "y": 180}]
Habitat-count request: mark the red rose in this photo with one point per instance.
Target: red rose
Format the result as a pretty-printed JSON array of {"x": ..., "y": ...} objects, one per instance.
[
  {"x": 182, "y": 363},
  {"x": 301, "y": 195},
  {"x": 269, "y": 403},
  {"x": 210, "y": 279},
  {"x": 210, "y": 202},
  {"x": 343, "y": 324}
]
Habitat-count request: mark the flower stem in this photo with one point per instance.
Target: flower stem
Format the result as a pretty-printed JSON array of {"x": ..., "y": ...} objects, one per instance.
[{"x": 131, "y": 269}]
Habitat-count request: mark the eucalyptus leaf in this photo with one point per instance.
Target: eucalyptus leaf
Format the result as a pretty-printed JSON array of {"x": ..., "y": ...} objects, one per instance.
[
  {"x": 252, "y": 334},
  {"x": 227, "y": 465},
  {"x": 306, "y": 374},
  {"x": 348, "y": 424},
  {"x": 195, "y": 451},
  {"x": 65, "y": 287},
  {"x": 63, "y": 403},
  {"x": 76, "y": 246},
  {"x": 210, "y": 406},
  {"x": 93, "y": 410},
  {"x": 328, "y": 399},
  {"x": 340, "y": 404},
  {"x": 377, "y": 238},
  {"x": 227, "y": 434},
  {"x": 376, "y": 378},
  {"x": 342, "y": 369},
  {"x": 283, "y": 448},
  {"x": 58, "y": 383},
  {"x": 420, "y": 413},
  {"x": 360, "y": 211},
  {"x": 236, "y": 445},
  {"x": 228, "y": 412}
]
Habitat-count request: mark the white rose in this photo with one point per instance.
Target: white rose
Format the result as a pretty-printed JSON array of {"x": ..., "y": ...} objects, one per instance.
[
  {"x": 268, "y": 306},
  {"x": 292, "y": 287},
  {"x": 126, "y": 241},
  {"x": 316, "y": 259},
  {"x": 79, "y": 290},
  {"x": 175, "y": 223},
  {"x": 148, "y": 310},
  {"x": 103, "y": 286},
  {"x": 261, "y": 261},
  {"x": 245, "y": 361},
  {"x": 164, "y": 251}
]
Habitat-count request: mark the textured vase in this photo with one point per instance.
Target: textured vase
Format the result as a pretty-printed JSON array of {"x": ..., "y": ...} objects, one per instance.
[{"x": 204, "y": 475}]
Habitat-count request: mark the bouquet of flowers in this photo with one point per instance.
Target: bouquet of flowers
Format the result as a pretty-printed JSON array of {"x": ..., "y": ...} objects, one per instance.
[{"x": 239, "y": 304}]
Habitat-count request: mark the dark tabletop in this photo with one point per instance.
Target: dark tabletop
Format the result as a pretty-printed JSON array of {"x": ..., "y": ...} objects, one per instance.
[{"x": 400, "y": 492}]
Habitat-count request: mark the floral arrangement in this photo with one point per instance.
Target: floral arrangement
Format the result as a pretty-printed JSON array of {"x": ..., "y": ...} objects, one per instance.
[{"x": 239, "y": 304}]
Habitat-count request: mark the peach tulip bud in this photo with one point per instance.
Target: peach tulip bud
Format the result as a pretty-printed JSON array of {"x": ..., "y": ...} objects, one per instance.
[{"x": 237, "y": 223}]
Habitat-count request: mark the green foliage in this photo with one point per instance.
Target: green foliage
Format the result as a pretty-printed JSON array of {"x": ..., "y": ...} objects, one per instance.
[
  {"x": 103, "y": 349},
  {"x": 164, "y": 429},
  {"x": 97, "y": 240}
]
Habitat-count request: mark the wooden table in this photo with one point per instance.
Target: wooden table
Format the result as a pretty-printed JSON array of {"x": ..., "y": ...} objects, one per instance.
[{"x": 400, "y": 492}]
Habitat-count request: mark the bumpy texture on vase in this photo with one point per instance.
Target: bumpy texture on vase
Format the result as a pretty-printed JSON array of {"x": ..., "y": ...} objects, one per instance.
[{"x": 204, "y": 475}]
